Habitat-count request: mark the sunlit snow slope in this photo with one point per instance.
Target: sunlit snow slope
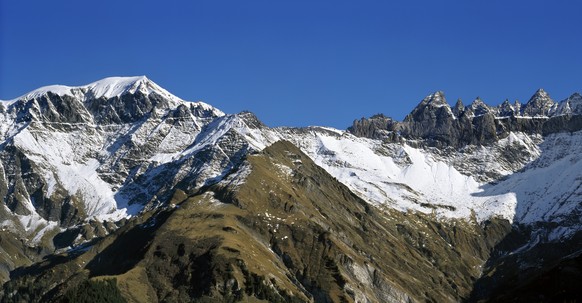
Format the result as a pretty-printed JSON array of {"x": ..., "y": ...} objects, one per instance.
[
  {"x": 407, "y": 178},
  {"x": 97, "y": 152},
  {"x": 108, "y": 149}
]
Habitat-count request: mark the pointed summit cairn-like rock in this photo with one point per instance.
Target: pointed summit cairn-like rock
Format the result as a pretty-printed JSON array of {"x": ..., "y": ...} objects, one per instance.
[{"x": 540, "y": 105}]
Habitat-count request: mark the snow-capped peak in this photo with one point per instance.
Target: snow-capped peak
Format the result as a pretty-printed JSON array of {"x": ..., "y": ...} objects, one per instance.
[
  {"x": 107, "y": 88},
  {"x": 117, "y": 86}
]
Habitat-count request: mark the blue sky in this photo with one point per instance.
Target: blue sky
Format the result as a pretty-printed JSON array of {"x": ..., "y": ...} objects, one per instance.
[{"x": 299, "y": 63}]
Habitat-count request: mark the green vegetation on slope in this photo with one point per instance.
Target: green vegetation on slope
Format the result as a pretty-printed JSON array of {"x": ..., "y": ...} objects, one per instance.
[{"x": 89, "y": 291}]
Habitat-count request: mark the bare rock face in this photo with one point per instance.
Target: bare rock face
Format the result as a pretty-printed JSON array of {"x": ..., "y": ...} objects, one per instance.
[
  {"x": 431, "y": 119},
  {"x": 540, "y": 105},
  {"x": 437, "y": 124},
  {"x": 507, "y": 110},
  {"x": 376, "y": 127}
]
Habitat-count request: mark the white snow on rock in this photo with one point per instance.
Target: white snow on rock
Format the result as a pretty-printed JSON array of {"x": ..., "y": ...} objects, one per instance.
[
  {"x": 549, "y": 189},
  {"x": 84, "y": 160},
  {"x": 90, "y": 162},
  {"x": 117, "y": 86},
  {"x": 108, "y": 88},
  {"x": 407, "y": 178},
  {"x": 424, "y": 184}
]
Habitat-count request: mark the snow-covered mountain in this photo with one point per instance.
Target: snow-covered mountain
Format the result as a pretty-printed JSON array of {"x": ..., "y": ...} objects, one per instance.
[
  {"x": 71, "y": 154},
  {"x": 78, "y": 162}
]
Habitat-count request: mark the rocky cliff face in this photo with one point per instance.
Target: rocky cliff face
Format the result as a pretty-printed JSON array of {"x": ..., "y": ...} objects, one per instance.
[
  {"x": 55, "y": 139},
  {"x": 435, "y": 123},
  {"x": 178, "y": 201},
  {"x": 73, "y": 158}
]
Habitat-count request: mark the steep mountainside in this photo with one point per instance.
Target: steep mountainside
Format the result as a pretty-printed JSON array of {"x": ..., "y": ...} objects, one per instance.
[
  {"x": 175, "y": 199},
  {"x": 278, "y": 229},
  {"x": 73, "y": 158}
]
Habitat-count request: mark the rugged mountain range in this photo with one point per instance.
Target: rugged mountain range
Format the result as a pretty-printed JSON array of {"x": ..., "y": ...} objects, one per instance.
[
  {"x": 168, "y": 200},
  {"x": 437, "y": 124}
]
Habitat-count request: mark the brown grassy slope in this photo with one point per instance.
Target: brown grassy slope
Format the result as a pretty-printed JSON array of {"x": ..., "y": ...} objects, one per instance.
[{"x": 289, "y": 232}]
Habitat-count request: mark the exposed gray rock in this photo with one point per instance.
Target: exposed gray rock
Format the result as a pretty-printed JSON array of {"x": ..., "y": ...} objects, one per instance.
[
  {"x": 517, "y": 107},
  {"x": 506, "y": 109},
  {"x": 540, "y": 105},
  {"x": 479, "y": 108},
  {"x": 435, "y": 123},
  {"x": 376, "y": 127},
  {"x": 459, "y": 108},
  {"x": 571, "y": 106}
]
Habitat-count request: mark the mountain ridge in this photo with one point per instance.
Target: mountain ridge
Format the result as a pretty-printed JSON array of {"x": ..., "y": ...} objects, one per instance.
[
  {"x": 474, "y": 124},
  {"x": 107, "y": 88},
  {"x": 78, "y": 165}
]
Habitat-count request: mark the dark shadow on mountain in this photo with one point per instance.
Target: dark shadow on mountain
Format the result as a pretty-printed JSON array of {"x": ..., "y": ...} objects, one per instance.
[
  {"x": 543, "y": 273},
  {"x": 50, "y": 261},
  {"x": 128, "y": 248},
  {"x": 160, "y": 181},
  {"x": 534, "y": 262},
  {"x": 136, "y": 192}
]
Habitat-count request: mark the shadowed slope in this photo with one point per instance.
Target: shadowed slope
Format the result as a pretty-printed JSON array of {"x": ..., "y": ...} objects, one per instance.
[{"x": 280, "y": 228}]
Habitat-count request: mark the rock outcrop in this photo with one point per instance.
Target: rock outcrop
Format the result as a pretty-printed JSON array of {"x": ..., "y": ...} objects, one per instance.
[{"x": 437, "y": 124}]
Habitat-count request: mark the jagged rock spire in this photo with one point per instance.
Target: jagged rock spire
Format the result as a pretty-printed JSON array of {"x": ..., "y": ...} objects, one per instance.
[
  {"x": 459, "y": 108},
  {"x": 506, "y": 109},
  {"x": 478, "y": 107},
  {"x": 431, "y": 106},
  {"x": 540, "y": 104}
]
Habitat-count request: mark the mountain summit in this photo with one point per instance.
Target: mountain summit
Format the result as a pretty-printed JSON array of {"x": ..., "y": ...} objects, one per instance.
[
  {"x": 540, "y": 105},
  {"x": 105, "y": 88},
  {"x": 120, "y": 187}
]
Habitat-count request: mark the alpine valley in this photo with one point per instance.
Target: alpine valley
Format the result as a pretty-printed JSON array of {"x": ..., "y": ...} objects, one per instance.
[{"x": 119, "y": 191}]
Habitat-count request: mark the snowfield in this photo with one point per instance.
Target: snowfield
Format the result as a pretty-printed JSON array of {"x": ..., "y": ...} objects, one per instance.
[{"x": 94, "y": 162}]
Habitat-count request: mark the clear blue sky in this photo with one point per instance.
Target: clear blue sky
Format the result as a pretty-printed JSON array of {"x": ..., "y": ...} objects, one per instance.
[{"x": 299, "y": 63}]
